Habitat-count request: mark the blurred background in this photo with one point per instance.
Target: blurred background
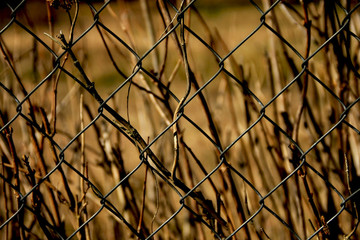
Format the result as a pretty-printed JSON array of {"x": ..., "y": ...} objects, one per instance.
[{"x": 135, "y": 120}]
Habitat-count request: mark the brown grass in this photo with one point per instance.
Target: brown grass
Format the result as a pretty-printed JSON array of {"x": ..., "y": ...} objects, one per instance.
[{"x": 99, "y": 187}]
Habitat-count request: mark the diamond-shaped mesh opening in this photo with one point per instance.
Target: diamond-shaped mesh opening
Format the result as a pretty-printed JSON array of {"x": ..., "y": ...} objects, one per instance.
[
  {"x": 300, "y": 115},
  {"x": 9, "y": 103},
  {"x": 227, "y": 193},
  {"x": 309, "y": 199},
  {"x": 205, "y": 23},
  {"x": 112, "y": 54},
  {"x": 263, "y": 161},
  {"x": 145, "y": 200},
  {"x": 270, "y": 225},
  {"x": 29, "y": 68}
]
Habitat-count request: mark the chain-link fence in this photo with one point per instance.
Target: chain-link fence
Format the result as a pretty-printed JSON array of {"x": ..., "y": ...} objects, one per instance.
[{"x": 179, "y": 119}]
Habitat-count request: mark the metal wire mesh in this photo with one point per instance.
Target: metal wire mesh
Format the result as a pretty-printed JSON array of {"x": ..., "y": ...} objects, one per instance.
[{"x": 199, "y": 136}]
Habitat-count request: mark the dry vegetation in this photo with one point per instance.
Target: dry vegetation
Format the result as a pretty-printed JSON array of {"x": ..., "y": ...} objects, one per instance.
[{"x": 104, "y": 136}]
